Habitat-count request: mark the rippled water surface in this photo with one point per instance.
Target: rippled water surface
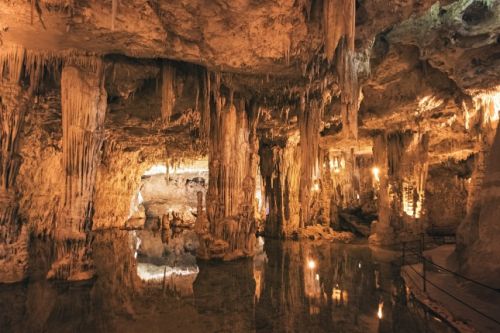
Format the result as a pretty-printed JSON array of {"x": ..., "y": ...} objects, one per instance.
[{"x": 288, "y": 287}]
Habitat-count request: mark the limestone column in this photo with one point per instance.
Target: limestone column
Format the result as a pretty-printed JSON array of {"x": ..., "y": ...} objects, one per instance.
[
  {"x": 84, "y": 102},
  {"x": 14, "y": 100},
  {"x": 280, "y": 170},
  {"x": 232, "y": 170}
]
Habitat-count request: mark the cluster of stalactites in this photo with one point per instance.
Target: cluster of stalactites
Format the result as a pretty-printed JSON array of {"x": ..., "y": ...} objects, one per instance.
[
  {"x": 18, "y": 63},
  {"x": 167, "y": 91},
  {"x": 84, "y": 102},
  {"x": 339, "y": 30},
  {"x": 309, "y": 127}
]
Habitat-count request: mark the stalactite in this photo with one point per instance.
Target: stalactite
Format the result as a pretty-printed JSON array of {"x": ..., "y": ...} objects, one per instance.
[
  {"x": 338, "y": 21},
  {"x": 339, "y": 30},
  {"x": 205, "y": 112},
  {"x": 114, "y": 9},
  {"x": 309, "y": 125},
  {"x": 350, "y": 94},
  {"x": 167, "y": 91},
  {"x": 17, "y": 63},
  {"x": 84, "y": 103}
]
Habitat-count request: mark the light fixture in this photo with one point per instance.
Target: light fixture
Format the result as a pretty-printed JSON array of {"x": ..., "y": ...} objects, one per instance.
[
  {"x": 311, "y": 264},
  {"x": 380, "y": 314},
  {"x": 376, "y": 173}
]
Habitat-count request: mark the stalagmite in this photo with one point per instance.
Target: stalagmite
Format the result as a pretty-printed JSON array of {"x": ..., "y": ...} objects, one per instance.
[
  {"x": 167, "y": 91},
  {"x": 84, "y": 106}
]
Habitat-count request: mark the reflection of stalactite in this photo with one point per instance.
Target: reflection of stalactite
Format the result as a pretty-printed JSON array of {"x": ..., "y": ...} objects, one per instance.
[
  {"x": 167, "y": 92},
  {"x": 309, "y": 123}
]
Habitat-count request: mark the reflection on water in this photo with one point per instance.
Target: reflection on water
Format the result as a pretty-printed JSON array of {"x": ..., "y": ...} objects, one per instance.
[{"x": 287, "y": 287}]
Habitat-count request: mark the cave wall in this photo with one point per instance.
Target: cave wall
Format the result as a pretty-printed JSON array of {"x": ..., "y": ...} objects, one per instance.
[
  {"x": 446, "y": 194},
  {"x": 487, "y": 242}
]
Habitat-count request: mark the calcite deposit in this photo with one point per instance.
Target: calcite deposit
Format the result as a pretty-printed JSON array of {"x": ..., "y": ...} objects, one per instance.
[{"x": 198, "y": 125}]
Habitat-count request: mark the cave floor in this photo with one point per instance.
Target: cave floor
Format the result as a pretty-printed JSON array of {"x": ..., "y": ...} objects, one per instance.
[
  {"x": 291, "y": 286},
  {"x": 479, "y": 298}
]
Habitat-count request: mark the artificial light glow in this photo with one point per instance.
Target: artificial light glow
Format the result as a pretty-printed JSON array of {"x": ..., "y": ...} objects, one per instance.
[
  {"x": 337, "y": 294},
  {"x": 380, "y": 314},
  {"x": 315, "y": 187},
  {"x": 311, "y": 264},
  {"x": 376, "y": 173}
]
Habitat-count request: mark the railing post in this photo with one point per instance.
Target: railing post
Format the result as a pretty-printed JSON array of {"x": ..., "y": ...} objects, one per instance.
[
  {"x": 424, "y": 274},
  {"x": 403, "y": 256}
]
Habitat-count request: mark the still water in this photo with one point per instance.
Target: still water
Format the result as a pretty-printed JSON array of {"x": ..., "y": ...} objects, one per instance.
[{"x": 288, "y": 287}]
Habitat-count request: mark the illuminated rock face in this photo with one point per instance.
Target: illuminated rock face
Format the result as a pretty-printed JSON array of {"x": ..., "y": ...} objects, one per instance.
[
  {"x": 480, "y": 255},
  {"x": 402, "y": 160}
]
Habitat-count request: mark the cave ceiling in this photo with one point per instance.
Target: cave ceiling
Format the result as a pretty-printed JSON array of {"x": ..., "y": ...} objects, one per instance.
[{"x": 420, "y": 61}]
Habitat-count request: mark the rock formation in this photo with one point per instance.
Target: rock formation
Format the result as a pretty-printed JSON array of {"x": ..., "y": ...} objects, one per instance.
[{"x": 338, "y": 112}]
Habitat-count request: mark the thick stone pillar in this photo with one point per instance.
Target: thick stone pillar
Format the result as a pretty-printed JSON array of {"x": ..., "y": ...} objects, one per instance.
[
  {"x": 401, "y": 162},
  {"x": 13, "y": 234},
  {"x": 280, "y": 170},
  {"x": 84, "y": 102},
  {"x": 232, "y": 170}
]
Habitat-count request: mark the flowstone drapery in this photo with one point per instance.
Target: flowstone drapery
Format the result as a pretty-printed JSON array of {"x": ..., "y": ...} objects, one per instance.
[{"x": 14, "y": 99}]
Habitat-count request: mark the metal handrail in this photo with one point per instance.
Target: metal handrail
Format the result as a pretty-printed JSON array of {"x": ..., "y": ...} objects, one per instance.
[
  {"x": 455, "y": 273},
  {"x": 454, "y": 297}
]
